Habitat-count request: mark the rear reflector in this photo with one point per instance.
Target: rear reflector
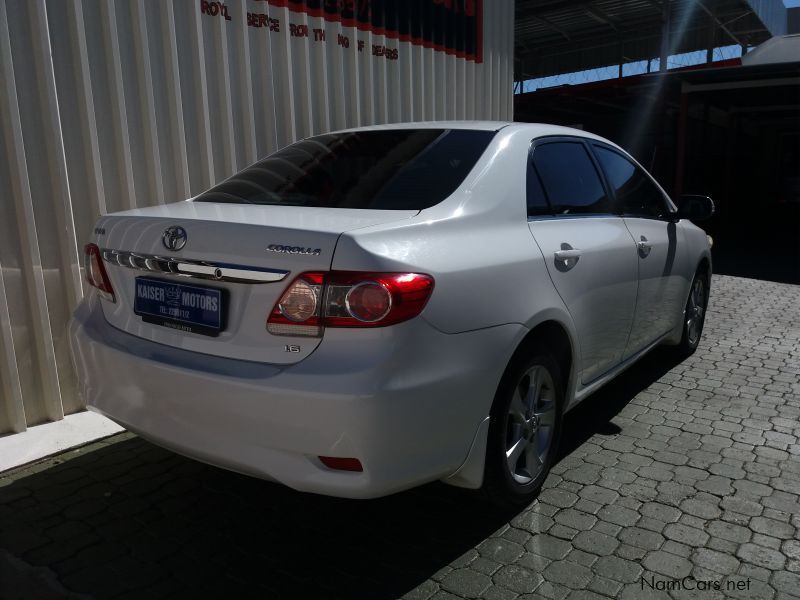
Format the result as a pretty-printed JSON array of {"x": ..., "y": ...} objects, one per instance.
[
  {"x": 341, "y": 464},
  {"x": 316, "y": 300},
  {"x": 96, "y": 275}
]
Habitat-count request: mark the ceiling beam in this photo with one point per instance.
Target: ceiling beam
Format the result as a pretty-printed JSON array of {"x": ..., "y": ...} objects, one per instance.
[
  {"x": 741, "y": 16},
  {"x": 582, "y": 43},
  {"x": 553, "y": 26},
  {"x": 538, "y": 8},
  {"x": 599, "y": 15},
  {"x": 750, "y": 31},
  {"x": 554, "y": 36},
  {"x": 720, "y": 24},
  {"x": 657, "y": 5}
]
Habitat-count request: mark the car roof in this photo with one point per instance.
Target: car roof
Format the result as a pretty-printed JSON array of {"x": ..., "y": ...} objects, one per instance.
[
  {"x": 535, "y": 129},
  {"x": 475, "y": 125}
]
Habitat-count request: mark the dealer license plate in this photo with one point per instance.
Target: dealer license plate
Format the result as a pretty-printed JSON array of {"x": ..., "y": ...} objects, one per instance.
[{"x": 190, "y": 308}]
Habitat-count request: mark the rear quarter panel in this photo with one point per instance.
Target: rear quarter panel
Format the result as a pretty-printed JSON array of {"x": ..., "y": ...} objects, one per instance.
[{"x": 476, "y": 244}]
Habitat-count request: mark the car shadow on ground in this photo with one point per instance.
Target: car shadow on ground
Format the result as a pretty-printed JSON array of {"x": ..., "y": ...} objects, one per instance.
[
  {"x": 593, "y": 416},
  {"x": 134, "y": 520}
]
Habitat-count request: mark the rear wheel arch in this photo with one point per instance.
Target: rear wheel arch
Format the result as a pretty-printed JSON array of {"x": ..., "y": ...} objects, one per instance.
[
  {"x": 550, "y": 335},
  {"x": 512, "y": 475},
  {"x": 554, "y": 336}
]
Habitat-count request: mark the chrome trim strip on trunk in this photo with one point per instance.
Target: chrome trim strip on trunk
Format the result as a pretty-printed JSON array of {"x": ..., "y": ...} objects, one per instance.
[{"x": 185, "y": 267}]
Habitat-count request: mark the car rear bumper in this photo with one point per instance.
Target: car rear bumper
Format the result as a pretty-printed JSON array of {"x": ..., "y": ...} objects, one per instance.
[{"x": 405, "y": 400}]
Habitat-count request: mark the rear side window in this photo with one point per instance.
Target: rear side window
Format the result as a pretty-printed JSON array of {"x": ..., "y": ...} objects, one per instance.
[
  {"x": 570, "y": 179},
  {"x": 396, "y": 169},
  {"x": 635, "y": 192},
  {"x": 537, "y": 201}
]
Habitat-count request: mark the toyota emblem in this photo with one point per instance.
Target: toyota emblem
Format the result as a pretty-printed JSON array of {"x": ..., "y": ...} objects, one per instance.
[{"x": 174, "y": 238}]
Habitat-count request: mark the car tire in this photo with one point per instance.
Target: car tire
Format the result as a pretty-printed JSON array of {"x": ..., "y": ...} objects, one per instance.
[
  {"x": 694, "y": 315},
  {"x": 525, "y": 429}
]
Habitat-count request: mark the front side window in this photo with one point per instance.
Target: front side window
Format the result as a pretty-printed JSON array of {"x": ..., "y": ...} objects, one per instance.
[
  {"x": 570, "y": 180},
  {"x": 636, "y": 194},
  {"x": 393, "y": 169}
]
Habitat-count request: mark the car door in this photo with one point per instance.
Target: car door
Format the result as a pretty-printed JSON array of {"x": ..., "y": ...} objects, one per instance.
[
  {"x": 590, "y": 254},
  {"x": 647, "y": 214}
]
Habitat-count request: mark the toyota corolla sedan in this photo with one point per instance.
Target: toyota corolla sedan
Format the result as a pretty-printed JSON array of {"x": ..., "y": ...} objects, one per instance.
[{"x": 369, "y": 310}]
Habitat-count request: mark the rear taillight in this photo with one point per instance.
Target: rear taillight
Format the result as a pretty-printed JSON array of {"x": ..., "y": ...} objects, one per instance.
[
  {"x": 348, "y": 299},
  {"x": 96, "y": 274},
  {"x": 298, "y": 310}
]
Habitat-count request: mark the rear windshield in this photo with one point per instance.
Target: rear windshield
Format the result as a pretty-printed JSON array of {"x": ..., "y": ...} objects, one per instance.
[{"x": 400, "y": 169}]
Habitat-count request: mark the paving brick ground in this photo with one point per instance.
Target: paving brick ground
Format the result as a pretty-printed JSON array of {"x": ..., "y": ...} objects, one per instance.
[{"x": 676, "y": 470}]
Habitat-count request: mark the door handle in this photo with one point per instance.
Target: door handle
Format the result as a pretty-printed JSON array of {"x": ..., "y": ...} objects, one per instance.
[
  {"x": 567, "y": 254},
  {"x": 567, "y": 257},
  {"x": 644, "y": 247}
]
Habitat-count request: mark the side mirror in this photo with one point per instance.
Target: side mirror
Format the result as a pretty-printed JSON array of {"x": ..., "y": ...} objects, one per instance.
[{"x": 695, "y": 207}]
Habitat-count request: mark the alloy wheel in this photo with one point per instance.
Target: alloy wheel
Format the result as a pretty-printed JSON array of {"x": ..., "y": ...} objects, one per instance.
[
  {"x": 695, "y": 311},
  {"x": 530, "y": 424}
]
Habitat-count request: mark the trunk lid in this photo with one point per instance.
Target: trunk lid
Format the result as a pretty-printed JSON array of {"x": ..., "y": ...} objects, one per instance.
[{"x": 243, "y": 255}]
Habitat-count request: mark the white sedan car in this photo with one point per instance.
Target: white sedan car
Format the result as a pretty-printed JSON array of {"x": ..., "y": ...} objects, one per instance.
[{"x": 370, "y": 310}]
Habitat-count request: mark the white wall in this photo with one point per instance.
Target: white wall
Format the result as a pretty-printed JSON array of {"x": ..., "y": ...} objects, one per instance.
[{"x": 108, "y": 105}]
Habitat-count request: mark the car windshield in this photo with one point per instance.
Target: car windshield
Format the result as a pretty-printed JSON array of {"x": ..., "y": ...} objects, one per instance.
[{"x": 394, "y": 169}]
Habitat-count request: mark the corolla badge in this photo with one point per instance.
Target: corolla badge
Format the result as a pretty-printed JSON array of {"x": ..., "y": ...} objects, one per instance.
[
  {"x": 174, "y": 238},
  {"x": 294, "y": 250}
]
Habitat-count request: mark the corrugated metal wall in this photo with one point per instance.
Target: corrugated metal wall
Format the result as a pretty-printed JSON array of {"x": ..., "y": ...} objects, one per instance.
[{"x": 111, "y": 105}]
